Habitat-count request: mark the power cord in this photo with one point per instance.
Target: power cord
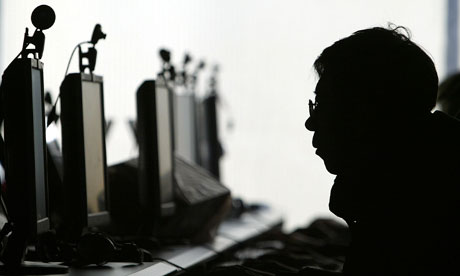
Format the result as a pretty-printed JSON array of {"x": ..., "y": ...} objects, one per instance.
[
  {"x": 52, "y": 115},
  {"x": 71, "y": 55},
  {"x": 170, "y": 263}
]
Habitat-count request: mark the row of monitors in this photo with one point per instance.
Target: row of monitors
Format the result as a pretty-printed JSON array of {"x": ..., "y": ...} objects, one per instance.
[
  {"x": 84, "y": 157},
  {"x": 195, "y": 123},
  {"x": 82, "y": 200}
]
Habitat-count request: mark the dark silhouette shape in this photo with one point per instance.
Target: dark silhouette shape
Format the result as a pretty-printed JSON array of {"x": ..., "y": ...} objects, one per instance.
[
  {"x": 168, "y": 71},
  {"x": 97, "y": 34},
  {"x": 397, "y": 164},
  {"x": 449, "y": 96},
  {"x": 91, "y": 54},
  {"x": 43, "y": 18}
]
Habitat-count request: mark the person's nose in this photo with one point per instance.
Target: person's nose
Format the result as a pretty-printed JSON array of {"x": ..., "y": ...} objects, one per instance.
[{"x": 310, "y": 124}]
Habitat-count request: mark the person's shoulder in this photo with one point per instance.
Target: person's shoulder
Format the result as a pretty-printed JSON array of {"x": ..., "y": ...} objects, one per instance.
[
  {"x": 445, "y": 123},
  {"x": 445, "y": 136},
  {"x": 444, "y": 162}
]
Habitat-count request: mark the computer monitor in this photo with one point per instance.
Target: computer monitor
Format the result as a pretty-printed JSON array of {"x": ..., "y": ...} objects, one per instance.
[
  {"x": 185, "y": 126},
  {"x": 210, "y": 149},
  {"x": 25, "y": 192},
  {"x": 84, "y": 153},
  {"x": 156, "y": 155}
]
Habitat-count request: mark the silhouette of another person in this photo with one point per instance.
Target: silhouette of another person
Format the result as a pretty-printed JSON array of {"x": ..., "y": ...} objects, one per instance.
[
  {"x": 449, "y": 96},
  {"x": 397, "y": 164}
]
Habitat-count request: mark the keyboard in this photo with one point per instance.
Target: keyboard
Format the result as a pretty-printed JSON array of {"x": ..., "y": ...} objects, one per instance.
[{"x": 195, "y": 184}]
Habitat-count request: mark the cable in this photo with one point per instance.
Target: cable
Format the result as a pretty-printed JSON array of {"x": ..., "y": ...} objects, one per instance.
[
  {"x": 52, "y": 116},
  {"x": 5, "y": 210},
  {"x": 171, "y": 263},
  {"x": 71, "y": 55}
]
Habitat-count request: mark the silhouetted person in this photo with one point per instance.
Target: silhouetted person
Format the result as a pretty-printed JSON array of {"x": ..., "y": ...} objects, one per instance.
[
  {"x": 397, "y": 164},
  {"x": 449, "y": 96}
]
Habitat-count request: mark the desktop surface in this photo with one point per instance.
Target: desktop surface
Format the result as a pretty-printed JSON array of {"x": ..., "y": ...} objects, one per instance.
[{"x": 171, "y": 260}]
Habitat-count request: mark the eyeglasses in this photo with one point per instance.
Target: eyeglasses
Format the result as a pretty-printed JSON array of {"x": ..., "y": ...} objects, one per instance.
[{"x": 312, "y": 107}]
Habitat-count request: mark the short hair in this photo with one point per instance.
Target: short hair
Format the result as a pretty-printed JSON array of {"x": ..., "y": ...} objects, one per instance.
[{"x": 383, "y": 65}]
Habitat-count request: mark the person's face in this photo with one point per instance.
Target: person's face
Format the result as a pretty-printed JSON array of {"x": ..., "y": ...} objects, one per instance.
[{"x": 332, "y": 124}]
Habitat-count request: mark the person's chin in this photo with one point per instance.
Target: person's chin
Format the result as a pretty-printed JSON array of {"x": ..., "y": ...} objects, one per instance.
[
  {"x": 331, "y": 164},
  {"x": 332, "y": 167}
]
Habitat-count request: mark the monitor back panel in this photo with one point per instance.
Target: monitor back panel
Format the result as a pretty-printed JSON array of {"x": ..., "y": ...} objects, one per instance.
[{"x": 25, "y": 155}]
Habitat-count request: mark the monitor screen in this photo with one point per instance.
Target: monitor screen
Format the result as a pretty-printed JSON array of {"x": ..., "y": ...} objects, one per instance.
[
  {"x": 185, "y": 126},
  {"x": 164, "y": 140},
  {"x": 39, "y": 154},
  {"x": 94, "y": 147}
]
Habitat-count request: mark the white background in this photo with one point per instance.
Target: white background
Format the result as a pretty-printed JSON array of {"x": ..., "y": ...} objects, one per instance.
[{"x": 265, "y": 48}]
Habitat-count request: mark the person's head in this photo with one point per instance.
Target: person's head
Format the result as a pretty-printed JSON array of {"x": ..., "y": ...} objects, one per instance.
[
  {"x": 370, "y": 84},
  {"x": 449, "y": 96}
]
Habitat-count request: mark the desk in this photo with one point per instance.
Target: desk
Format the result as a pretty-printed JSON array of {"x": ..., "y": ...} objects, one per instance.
[
  {"x": 122, "y": 269},
  {"x": 231, "y": 233}
]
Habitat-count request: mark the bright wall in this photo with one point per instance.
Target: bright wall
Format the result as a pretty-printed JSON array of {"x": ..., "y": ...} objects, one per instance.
[{"x": 265, "y": 48}]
